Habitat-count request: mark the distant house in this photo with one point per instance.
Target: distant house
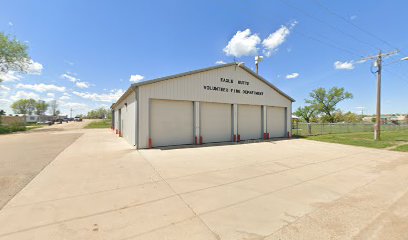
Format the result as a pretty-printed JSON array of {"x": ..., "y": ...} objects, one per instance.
[
  {"x": 40, "y": 118},
  {"x": 368, "y": 119},
  {"x": 400, "y": 119},
  {"x": 388, "y": 119},
  {"x": 31, "y": 118}
]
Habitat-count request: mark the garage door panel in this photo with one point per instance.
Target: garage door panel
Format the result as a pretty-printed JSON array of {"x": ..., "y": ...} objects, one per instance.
[
  {"x": 249, "y": 122},
  {"x": 276, "y": 121},
  {"x": 216, "y": 122},
  {"x": 171, "y": 122}
]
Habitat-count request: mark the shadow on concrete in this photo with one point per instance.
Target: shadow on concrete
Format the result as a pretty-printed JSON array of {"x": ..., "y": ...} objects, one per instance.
[{"x": 205, "y": 145}]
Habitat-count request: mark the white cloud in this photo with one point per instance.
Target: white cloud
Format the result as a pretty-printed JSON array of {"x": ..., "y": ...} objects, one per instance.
[
  {"x": 112, "y": 96},
  {"x": 34, "y": 68},
  {"x": 292, "y": 75},
  {"x": 274, "y": 40},
  {"x": 51, "y": 95},
  {"x": 219, "y": 62},
  {"x": 243, "y": 44},
  {"x": 4, "y": 88},
  {"x": 10, "y": 24},
  {"x": 69, "y": 77},
  {"x": 41, "y": 87},
  {"x": 4, "y": 101},
  {"x": 344, "y": 65},
  {"x": 136, "y": 78},
  {"x": 76, "y": 106},
  {"x": 82, "y": 84},
  {"x": 10, "y": 76},
  {"x": 64, "y": 98},
  {"x": 24, "y": 95}
]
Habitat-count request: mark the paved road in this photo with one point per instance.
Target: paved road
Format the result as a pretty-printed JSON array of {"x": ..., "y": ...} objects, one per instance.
[
  {"x": 100, "y": 188},
  {"x": 24, "y": 155}
]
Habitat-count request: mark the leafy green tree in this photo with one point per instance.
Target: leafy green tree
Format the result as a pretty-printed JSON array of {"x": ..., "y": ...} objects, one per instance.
[
  {"x": 41, "y": 107},
  {"x": 99, "y": 113},
  {"x": 53, "y": 105},
  {"x": 24, "y": 106},
  {"x": 13, "y": 55},
  {"x": 347, "y": 117},
  {"x": 306, "y": 113},
  {"x": 325, "y": 102}
]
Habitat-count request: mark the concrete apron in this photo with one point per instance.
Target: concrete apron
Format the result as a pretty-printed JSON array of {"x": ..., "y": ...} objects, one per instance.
[{"x": 99, "y": 188}]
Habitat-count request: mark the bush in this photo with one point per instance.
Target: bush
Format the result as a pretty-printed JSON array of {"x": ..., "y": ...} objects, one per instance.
[{"x": 4, "y": 129}]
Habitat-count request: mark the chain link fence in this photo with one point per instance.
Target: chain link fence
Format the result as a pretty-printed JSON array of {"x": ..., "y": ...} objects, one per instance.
[{"x": 307, "y": 129}]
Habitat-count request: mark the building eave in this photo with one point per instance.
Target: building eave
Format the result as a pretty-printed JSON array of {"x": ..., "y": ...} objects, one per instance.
[{"x": 135, "y": 85}]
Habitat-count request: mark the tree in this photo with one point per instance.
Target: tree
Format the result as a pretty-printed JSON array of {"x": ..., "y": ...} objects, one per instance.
[
  {"x": 99, "y": 113},
  {"x": 325, "y": 102},
  {"x": 347, "y": 117},
  {"x": 2, "y": 113},
  {"x": 306, "y": 113},
  {"x": 13, "y": 55},
  {"x": 41, "y": 107},
  {"x": 54, "y": 108},
  {"x": 24, "y": 106}
]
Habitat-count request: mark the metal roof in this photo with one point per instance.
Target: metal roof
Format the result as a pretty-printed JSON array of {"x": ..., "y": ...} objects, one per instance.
[{"x": 134, "y": 85}]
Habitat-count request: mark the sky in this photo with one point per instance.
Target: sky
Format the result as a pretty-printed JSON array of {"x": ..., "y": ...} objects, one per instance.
[{"x": 85, "y": 54}]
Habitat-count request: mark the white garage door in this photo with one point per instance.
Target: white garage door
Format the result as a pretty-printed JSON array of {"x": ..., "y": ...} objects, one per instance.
[
  {"x": 249, "y": 122},
  {"x": 216, "y": 122},
  {"x": 276, "y": 121},
  {"x": 171, "y": 122}
]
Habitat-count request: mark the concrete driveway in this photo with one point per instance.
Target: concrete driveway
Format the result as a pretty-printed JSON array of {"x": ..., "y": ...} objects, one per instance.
[
  {"x": 99, "y": 188},
  {"x": 23, "y": 155}
]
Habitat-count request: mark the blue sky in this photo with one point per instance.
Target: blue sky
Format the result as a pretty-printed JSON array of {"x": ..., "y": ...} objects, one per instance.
[{"x": 85, "y": 52}]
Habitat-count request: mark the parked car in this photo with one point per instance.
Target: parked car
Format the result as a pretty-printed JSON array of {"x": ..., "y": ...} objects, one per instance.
[
  {"x": 65, "y": 120},
  {"x": 46, "y": 122},
  {"x": 78, "y": 119}
]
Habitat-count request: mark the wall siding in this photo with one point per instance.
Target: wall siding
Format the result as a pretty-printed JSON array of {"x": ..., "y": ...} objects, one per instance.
[
  {"x": 128, "y": 117},
  {"x": 191, "y": 88}
]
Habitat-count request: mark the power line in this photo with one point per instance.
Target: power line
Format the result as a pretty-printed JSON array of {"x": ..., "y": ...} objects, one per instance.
[
  {"x": 330, "y": 44},
  {"x": 286, "y": 2},
  {"x": 353, "y": 24},
  {"x": 399, "y": 75}
]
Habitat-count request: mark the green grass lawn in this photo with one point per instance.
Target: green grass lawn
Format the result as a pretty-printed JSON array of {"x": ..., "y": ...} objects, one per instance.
[
  {"x": 106, "y": 123},
  {"x": 402, "y": 148},
  {"x": 12, "y": 128},
  {"x": 389, "y": 139}
]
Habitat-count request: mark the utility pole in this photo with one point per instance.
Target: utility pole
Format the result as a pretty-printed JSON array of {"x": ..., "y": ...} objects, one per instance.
[
  {"x": 377, "y": 130},
  {"x": 378, "y": 59},
  {"x": 258, "y": 59},
  {"x": 70, "y": 115}
]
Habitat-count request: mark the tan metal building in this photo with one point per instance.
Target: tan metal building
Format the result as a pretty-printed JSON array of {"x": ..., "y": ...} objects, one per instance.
[{"x": 218, "y": 104}]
